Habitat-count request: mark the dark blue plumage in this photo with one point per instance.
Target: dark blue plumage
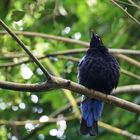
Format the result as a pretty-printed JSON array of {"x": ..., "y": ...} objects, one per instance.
[{"x": 100, "y": 71}]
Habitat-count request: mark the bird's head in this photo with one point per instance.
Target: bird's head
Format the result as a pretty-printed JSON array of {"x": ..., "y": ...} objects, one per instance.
[{"x": 95, "y": 41}]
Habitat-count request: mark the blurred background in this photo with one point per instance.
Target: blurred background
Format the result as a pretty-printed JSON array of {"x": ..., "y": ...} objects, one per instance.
[{"x": 75, "y": 20}]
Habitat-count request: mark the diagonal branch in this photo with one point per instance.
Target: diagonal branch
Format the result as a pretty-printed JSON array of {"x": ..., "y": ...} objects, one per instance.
[
  {"x": 134, "y": 4},
  {"x": 133, "y": 75},
  {"x": 125, "y": 11},
  {"x": 26, "y": 49},
  {"x": 129, "y": 60}
]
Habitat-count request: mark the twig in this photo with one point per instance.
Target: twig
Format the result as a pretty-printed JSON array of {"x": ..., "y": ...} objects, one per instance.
[
  {"x": 34, "y": 122},
  {"x": 126, "y": 3},
  {"x": 52, "y": 37},
  {"x": 119, "y": 131},
  {"x": 130, "y": 74},
  {"x": 126, "y": 89},
  {"x": 26, "y": 49},
  {"x": 125, "y": 51},
  {"x": 128, "y": 59},
  {"x": 11, "y": 56},
  {"x": 128, "y": 14},
  {"x": 134, "y": 4},
  {"x": 59, "y": 83}
]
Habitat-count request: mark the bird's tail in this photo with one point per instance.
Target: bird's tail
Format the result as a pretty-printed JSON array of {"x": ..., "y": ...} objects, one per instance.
[{"x": 91, "y": 110}]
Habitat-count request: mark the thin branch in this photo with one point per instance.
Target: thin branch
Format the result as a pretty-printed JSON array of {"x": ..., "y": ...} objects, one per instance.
[
  {"x": 72, "y": 86},
  {"x": 134, "y": 4},
  {"x": 126, "y": 89},
  {"x": 68, "y": 40},
  {"x": 35, "y": 122},
  {"x": 128, "y": 59},
  {"x": 126, "y": 3},
  {"x": 130, "y": 74},
  {"x": 119, "y": 131},
  {"x": 52, "y": 37},
  {"x": 10, "y": 55},
  {"x": 26, "y": 49},
  {"x": 125, "y": 51},
  {"x": 128, "y": 14}
]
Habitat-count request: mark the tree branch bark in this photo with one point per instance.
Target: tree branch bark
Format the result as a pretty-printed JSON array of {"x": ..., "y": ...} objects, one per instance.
[{"x": 58, "y": 83}]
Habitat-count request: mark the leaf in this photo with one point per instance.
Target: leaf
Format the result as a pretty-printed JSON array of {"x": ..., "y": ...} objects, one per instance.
[{"x": 17, "y": 15}]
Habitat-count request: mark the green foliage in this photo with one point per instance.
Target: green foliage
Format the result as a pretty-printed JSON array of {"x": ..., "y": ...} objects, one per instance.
[
  {"x": 73, "y": 19},
  {"x": 17, "y": 15}
]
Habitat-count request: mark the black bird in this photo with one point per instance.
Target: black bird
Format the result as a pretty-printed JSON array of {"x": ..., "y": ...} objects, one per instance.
[{"x": 100, "y": 71}]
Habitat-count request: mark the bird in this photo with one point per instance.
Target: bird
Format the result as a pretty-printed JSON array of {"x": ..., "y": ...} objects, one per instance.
[{"x": 97, "y": 70}]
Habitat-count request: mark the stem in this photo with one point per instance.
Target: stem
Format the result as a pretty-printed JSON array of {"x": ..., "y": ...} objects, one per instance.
[{"x": 125, "y": 11}]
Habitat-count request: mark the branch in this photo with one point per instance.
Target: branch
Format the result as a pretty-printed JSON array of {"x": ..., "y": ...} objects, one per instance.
[
  {"x": 124, "y": 10},
  {"x": 35, "y": 122},
  {"x": 26, "y": 87},
  {"x": 125, "y": 3},
  {"x": 9, "y": 55},
  {"x": 52, "y": 37},
  {"x": 68, "y": 40},
  {"x": 130, "y": 74},
  {"x": 98, "y": 95},
  {"x": 129, "y": 60},
  {"x": 58, "y": 83},
  {"x": 125, "y": 89},
  {"x": 134, "y": 4},
  {"x": 26, "y": 49},
  {"x": 45, "y": 86},
  {"x": 119, "y": 131}
]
